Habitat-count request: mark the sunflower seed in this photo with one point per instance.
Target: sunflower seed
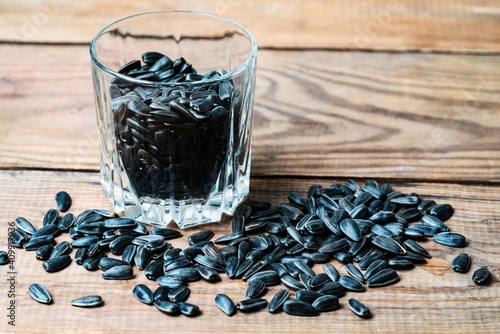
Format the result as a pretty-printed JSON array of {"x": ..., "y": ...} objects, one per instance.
[
  {"x": 482, "y": 276},
  {"x": 416, "y": 248},
  {"x": 161, "y": 293},
  {"x": 376, "y": 267},
  {"x": 115, "y": 223},
  {"x": 399, "y": 263},
  {"x": 170, "y": 281},
  {"x": 451, "y": 239},
  {"x": 129, "y": 253},
  {"x": 442, "y": 211},
  {"x": 308, "y": 296},
  {"x": 255, "y": 289},
  {"x": 166, "y": 233},
  {"x": 326, "y": 303},
  {"x": 384, "y": 277},
  {"x": 66, "y": 222},
  {"x": 186, "y": 274},
  {"x": 63, "y": 201},
  {"x": 299, "y": 308},
  {"x": 92, "y": 263},
  {"x": 167, "y": 307},
  {"x": 35, "y": 243},
  {"x": 251, "y": 305},
  {"x": 61, "y": 249},
  {"x": 243, "y": 267},
  {"x": 179, "y": 294},
  {"x": 278, "y": 300},
  {"x": 225, "y": 304},
  {"x": 332, "y": 288},
  {"x": 50, "y": 217},
  {"x": 334, "y": 246},
  {"x": 84, "y": 241},
  {"x": 188, "y": 309},
  {"x": 25, "y": 225},
  {"x": 213, "y": 253},
  {"x": 43, "y": 253},
  {"x": 331, "y": 271},
  {"x": 200, "y": 236},
  {"x": 237, "y": 224},
  {"x": 106, "y": 263},
  {"x": 18, "y": 237},
  {"x": 208, "y": 274},
  {"x": 358, "y": 308},
  {"x": 56, "y": 263},
  {"x": 354, "y": 272},
  {"x": 268, "y": 277},
  {"x": 461, "y": 263},
  {"x": 80, "y": 255},
  {"x": 292, "y": 283},
  {"x": 124, "y": 272},
  {"x": 350, "y": 283},
  {"x": 87, "y": 301},
  {"x": 154, "y": 270},
  {"x": 434, "y": 222},
  {"x": 388, "y": 244},
  {"x": 204, "y": 260},
  {"x": 39, "y": 293},
  {"x": 50, "y": 229}
]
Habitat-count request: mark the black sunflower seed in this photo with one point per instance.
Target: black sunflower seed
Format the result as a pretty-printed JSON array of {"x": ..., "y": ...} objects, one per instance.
[
  {"x": 354, "y": 272},
  {"x": 50, "y": 217},
  {"x": 384, "y": 277},
  {"x": 388, "y": 244},
  {"x": 299, "y": 308},
  {"x": 25, "y": 225},
  {"x": 63, "y": 201},
  {"x": 278, "y": 300},
  {"x": 124, "y": 272},
  {"x": 461, "y": 263},
  {"x": 358, "y": 308},
  {"x": 87, "y": 301},
  {"x": 350, "y": 283},
  {"x": 179, "y": 294},
  {"x": 167, "y": 307},
  {"x": 308, "y": 296},
  {"x": 482, "y": 276},
  {"x": 56, "y": 263},
  {"x": 451, "y": 239},
  {"x": 326, "y": 303},
  {"x": 225, "y": 304},
  {"x": 188, "y": 309},
  {"x": 255, "y": 289},
  {"x": 251, "y": 305},
  {"x": 331, "y": 271},
  {"x": 39, "y": 293}
]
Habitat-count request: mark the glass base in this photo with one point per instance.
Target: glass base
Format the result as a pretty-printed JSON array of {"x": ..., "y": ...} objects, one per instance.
[{"x": 185, "y": 213}]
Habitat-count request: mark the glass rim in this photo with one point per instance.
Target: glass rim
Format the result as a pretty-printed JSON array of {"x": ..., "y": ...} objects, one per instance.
[{"x": 229, "y": 75}]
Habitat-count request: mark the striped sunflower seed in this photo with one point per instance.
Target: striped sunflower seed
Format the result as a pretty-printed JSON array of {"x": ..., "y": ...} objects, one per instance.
[
  {"x": 326, "y": 303},
  {"x": 39, "y": 293},
  {"x": 299, "y": 308},
  {"x": 225, "y": 304},
  {"x": 482, "y": 276},
  {"x": 278, "y": 300},
  {"x": 88, "y": 301}
]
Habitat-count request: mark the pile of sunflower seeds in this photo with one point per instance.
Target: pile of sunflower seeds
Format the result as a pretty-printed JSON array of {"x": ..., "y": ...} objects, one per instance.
[{"x": 373, "y": 226}]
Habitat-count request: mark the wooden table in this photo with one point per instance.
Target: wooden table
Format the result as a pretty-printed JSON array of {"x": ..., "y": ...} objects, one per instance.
[{"x": 405, "y": 92}]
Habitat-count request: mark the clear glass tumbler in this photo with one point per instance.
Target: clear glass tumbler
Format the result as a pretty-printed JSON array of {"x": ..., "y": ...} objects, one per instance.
[{"x": 175, "y": 122}]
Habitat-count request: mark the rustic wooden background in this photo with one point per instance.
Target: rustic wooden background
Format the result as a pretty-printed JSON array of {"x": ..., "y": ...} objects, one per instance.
[{"x": 404, "y": 91}]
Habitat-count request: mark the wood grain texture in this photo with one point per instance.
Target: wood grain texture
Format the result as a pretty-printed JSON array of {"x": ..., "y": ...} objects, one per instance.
[
  {"x": 431, "y": 298},
  {"x": 426, "y": 25},
  {"x": 317, "y": 113}
]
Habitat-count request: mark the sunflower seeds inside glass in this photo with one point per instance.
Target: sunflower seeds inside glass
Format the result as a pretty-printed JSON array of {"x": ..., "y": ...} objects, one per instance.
[
  {"x": 39, "y": 293},
  {"x": 87, "y": 301}
]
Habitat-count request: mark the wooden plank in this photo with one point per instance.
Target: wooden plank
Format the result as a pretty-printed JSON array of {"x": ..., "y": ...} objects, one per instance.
[
  {"x": 431, "y": 298},
  {"x": 318, "y": 113},
  {"x": 462, "y": 26}
]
